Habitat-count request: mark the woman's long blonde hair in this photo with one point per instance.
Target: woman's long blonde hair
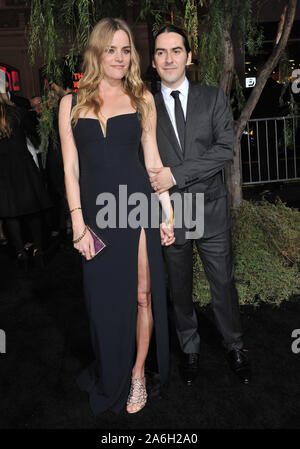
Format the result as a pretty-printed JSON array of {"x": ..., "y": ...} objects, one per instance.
[
  {"x": 5, "y": 130},
  {"x": 88, "y": 92}
]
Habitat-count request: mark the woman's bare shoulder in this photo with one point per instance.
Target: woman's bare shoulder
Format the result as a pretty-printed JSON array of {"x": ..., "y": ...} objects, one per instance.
[
  {"x": 148, "y": 96},
  {"x": 65, "y": 103}
]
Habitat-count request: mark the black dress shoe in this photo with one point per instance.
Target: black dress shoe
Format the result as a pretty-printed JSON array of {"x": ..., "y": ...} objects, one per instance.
[
  {"x": 239, "y": 363},
  {"x": 38, "y": 259},
  {"x": 189, "y": 368}
]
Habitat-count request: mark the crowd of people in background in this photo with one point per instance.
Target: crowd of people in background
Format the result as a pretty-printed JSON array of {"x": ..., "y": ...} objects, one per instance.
[{"x": 33, "y": 210}]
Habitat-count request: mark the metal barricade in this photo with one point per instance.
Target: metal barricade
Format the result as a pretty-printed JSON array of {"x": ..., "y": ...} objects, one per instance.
[{"x": 270, "y": 150}]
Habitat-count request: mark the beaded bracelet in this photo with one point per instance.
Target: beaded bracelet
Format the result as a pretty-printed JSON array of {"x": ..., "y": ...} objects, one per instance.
[{"x": 81, "y": 236}]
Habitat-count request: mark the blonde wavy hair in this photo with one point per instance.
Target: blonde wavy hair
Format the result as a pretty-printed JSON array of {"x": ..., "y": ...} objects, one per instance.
[
  {"x": 88, "y": 92},
  {"x": 5, "y": 130}
]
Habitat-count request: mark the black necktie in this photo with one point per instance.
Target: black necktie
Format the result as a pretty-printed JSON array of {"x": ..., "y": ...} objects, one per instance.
[{"x": 179, "y": 117}]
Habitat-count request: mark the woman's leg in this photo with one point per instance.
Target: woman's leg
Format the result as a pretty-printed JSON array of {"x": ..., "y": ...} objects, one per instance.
[{"x": 144, "y": 317}]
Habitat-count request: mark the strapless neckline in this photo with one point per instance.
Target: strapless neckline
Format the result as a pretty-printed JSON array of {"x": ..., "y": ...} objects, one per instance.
[{"x": 107, "y": 121}]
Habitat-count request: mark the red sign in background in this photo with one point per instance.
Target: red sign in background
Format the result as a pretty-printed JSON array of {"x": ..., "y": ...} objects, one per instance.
[
  {"x": 13, "y": 75},
  {"x": 76, "y": 78}
]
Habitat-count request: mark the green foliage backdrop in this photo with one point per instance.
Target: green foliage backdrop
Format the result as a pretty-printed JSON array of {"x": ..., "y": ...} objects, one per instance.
[
  {"x": 54, "y": 23},
  {"x": 61, "y": 29},
  {"x": 266, "y": 246}
]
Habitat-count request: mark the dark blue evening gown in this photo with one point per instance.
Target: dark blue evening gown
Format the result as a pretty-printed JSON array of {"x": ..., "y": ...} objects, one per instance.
[{"x": 110, "y": 279}]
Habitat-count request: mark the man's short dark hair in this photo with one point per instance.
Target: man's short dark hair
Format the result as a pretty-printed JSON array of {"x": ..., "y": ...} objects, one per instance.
[{"x": 170, "y": 28}]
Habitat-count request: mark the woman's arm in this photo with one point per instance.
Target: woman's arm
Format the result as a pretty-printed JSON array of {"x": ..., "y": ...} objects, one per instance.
[
  {"x": 152, "y": 160},
  {"x": 71, "y": 171}
]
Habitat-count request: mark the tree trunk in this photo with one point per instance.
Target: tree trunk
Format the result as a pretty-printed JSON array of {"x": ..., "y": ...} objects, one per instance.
[
  {"x": 228, "y": 58},
  {"x": 233, "y": 171},
  {"x": 233, "y": 174}
]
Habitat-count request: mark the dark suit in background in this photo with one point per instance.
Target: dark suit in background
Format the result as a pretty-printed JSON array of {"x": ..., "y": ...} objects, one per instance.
[{"x": 22, "y": 102}]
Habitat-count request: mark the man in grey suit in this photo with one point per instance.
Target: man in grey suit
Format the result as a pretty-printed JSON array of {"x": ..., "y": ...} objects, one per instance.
[{"x": 195, "y": 140}]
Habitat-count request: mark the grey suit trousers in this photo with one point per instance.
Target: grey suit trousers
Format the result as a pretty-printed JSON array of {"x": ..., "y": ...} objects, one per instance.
[{"x": 216, "y": 255}]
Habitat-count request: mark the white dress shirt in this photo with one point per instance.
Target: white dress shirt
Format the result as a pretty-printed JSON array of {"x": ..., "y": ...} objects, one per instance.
[
  {"x": 170, "y": 104},
  {"x": 170, "y": 101}
]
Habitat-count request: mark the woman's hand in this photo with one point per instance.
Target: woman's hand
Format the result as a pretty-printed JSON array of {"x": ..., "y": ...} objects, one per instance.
[
  {"x": 85, "y": 246},
  {"x": 167, "y": 234}
]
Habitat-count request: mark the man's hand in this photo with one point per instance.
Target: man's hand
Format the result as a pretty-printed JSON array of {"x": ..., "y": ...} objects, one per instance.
[{"x": 161, "y": 179}]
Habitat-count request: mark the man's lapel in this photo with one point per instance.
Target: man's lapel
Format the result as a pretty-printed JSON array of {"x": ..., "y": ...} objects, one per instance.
[
  {"x": 163, "y": 120},
  {"x": 191, "y": 124}
]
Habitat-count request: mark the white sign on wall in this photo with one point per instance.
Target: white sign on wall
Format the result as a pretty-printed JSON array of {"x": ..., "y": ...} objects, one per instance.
[{"x": 250, "y": 82}]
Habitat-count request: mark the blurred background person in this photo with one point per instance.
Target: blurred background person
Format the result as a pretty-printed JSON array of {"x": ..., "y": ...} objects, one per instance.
[
  {"x": 51, "y": 166},
  {"x": 22, "y": 102},
  {"x": 22, "y": 192}
]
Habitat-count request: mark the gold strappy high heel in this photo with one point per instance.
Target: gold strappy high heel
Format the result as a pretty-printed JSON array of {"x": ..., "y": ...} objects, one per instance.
[{"x": 138, "y": 394}]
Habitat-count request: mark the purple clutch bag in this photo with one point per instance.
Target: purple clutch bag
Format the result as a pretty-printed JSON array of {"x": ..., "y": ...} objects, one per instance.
[{"x": 99, "y": 245}]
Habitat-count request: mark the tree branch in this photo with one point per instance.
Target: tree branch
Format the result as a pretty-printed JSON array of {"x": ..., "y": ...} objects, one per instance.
[
  {"x": 286, "y": 23},
  {"x": 281, "y": 24}
]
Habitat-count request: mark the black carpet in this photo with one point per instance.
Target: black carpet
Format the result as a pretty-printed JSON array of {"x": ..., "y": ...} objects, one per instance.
[{"x": 43, "y": 315}]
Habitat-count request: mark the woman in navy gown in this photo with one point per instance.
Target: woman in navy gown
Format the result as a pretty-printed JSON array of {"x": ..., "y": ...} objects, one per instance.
[{"x": 101, "y": 130}]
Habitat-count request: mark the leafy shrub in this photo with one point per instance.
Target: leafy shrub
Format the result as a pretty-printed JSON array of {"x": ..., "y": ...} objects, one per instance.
[{"x": 266, "y": 248}]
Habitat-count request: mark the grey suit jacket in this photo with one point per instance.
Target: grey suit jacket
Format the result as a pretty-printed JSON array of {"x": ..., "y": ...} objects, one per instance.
[{"x": 208, "y": 148}]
